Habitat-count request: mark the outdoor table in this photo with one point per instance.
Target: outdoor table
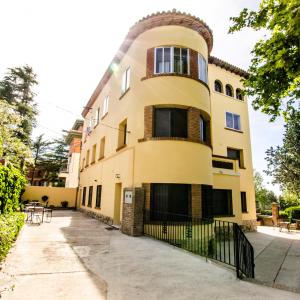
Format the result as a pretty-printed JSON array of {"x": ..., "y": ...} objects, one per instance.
[{"x": 38, "y": 211}]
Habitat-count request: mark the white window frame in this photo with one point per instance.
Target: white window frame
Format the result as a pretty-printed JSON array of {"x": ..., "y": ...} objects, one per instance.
[
  {"x": 200, "y": 56},
  {"x": 105, "y": 106},
  {"x": 239, "y": 123},
  {"x": 172, "y": 60},
  {"x": 97, "y": 117},
  {"x": 125, "y": 81}
]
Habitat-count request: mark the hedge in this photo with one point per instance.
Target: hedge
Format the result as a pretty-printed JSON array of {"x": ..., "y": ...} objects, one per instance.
[
  {"x": 293, "y": 212},
  {"x": 10, "y": 225},
  {"x": 12, "y": 183}
]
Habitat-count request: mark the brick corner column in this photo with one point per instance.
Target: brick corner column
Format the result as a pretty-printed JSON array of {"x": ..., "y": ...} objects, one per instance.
[
  {"x": 148, "y": 121},
  {"x": 193, "y": 124},
  {"x": 275, "y": 212},
  {"x": 133, "y": 211},
  {"x": 196, "y": 201}
]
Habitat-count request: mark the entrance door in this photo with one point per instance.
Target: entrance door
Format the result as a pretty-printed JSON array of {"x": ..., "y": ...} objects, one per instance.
[{"x": 117, "y": 206}]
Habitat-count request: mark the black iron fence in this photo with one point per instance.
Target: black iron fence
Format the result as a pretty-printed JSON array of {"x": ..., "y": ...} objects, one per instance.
[{"x": 220, "y": 240}]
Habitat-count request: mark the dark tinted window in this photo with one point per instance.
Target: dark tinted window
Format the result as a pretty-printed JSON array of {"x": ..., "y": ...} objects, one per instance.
[
  {"x": 218, "y": 86},
  {"x": 83, "y": 196},
  {"x": 235, "y": 154},
  {"x": 244, "y": 202},
  {"x": 98, "y": 196},
  {"x": 170, "y": 122},
  {"x": 90, "y": 196},
  {"x": 222, "y": 202},
  {"x": 229, "y": 91},
  {"x": 170, "y": 198}
]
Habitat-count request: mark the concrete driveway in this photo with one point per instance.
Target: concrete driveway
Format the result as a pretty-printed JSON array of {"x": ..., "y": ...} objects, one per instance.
[
  {"x": 277, "y": 257},
  {"x": 75, "y": 257}
]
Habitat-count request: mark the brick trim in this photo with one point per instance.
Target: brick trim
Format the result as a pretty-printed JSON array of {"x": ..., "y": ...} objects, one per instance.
[{"x": 193, "y": 116}]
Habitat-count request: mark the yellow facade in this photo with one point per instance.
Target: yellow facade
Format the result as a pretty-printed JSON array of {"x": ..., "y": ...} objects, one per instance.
[
  {"x": 161, "y": 161},
  {"x": 55, "y": 195}
]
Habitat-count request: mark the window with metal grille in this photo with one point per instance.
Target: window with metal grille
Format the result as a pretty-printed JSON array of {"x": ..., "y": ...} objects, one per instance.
[
  {"x": 170, "y": 122},
  {"x": 222, "y": 202},
  {"x": 244, "y": 202},
  {"x": 98, "y": 196}
]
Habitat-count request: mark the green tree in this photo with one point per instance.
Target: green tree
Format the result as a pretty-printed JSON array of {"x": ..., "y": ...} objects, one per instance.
[
  {"x": 263, "y": 196},
  {"x": 284, "y": 161},
  {"x": 56, "y": 159},
  {"x": 39, "y": 148},
  {"x": 17, "y": 89},
  {"x": 12, "y": 148},
  {"x": 288, "y": 199},
  {"x": 274, "y": 73}
]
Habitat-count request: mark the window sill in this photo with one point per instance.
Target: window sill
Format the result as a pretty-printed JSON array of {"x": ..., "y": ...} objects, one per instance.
[
  {"x": 173, "y": 139},
  {"x": 124, "y": 93},
  {"x": 92, "y": 162},
  {"x": 90, "y": 206},
  {"x": 100, "y": 158},
  {"x": 235, "y": 130},
  {"x": 121, "y": 147},
  {"x": 104, "y": 115},
  {"x": 232, "y": 98},
  {"x": 224, "y": 216},
  {"x": 98, "y": 207},
  {"x": 177, "y": 75},
  {"x": 245, "y": 212}
]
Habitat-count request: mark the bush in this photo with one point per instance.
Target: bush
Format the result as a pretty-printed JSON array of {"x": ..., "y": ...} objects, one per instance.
[
  {"x": 266, "y": 212},
  {"x": 283, "y": 215},
  {"x": 293, "y": 212},
  {"x": 10, "y": 225},
  {"x": 64, "y": 204},
  {"x": 12, "y": 183}
]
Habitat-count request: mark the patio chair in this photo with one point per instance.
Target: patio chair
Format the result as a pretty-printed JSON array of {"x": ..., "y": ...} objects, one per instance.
[
  {"x": 37, "y": 215},
  {"x": 47, "y": 215}
]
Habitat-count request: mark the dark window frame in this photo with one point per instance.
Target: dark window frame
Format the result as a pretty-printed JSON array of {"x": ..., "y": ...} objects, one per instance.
[
  {"x": 229, "y": 90},
  {"x": 238, "y": 156},
  {"x": 83, "y": 196},
  {"x": 174, "y": 123},
  {"x": 164, "y": 201},
  {"x": 98, "y": 196},
  {"x": 90, "y": 196},
  {"x": 244, "y": 202},
  {"x": 219, "y": 207},
  {"x": 218, "y": 86}
]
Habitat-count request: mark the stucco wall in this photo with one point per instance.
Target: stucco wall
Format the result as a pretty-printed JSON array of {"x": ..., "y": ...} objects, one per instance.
[{"x": 56, "y": 194}]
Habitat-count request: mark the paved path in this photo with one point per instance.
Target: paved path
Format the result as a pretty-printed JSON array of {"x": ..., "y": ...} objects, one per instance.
[
  {"x": 277, "y": 257},
  {"x": 75, "y": 257}
]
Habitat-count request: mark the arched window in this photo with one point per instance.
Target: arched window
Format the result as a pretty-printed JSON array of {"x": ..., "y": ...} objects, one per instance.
[
  {"x": 218, "y": 86},
  {"x": 229, "y": 90},
  {"x": 239, "y": 94}
]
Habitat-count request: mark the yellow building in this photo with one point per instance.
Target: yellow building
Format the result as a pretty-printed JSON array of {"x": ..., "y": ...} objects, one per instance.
[{"x": 171, "y": 119}]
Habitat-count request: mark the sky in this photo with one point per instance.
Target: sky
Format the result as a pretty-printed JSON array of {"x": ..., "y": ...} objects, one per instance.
[{"x": 70, "y": 44}]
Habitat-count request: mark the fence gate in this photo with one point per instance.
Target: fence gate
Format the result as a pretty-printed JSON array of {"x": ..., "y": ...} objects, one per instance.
[{"x": 219, "y": 240}]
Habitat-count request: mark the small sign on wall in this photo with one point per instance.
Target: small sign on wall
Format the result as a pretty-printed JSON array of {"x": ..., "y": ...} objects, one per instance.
[{"x": 128, "y": 197}]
